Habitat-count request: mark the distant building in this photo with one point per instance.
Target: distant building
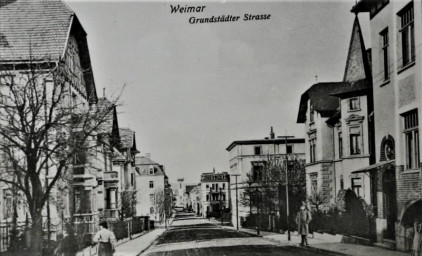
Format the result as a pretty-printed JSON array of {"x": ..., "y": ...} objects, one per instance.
[
  {"x": 214, "y": 192},
  {"x": 179, "y": 190},
  {"x": 246, "y": 155},
  {"x": 151, "y": 193},
  {"x": 193, "y": 195}
]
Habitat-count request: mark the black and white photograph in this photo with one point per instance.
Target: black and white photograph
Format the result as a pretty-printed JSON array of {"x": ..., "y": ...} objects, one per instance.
[{"x": 210, "y": 127}]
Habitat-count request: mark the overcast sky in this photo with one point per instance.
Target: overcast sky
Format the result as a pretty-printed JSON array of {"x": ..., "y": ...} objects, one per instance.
[{"x": 192, "y": 89}]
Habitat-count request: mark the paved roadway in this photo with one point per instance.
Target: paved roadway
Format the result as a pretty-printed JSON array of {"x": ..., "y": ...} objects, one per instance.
[{"x": 189, "y": 235}]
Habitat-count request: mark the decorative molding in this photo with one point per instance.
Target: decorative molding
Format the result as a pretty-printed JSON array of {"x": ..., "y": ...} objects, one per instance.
[{"x": 354, "y": 118}]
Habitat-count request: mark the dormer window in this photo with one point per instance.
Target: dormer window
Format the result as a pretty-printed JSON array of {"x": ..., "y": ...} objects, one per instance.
[
  {"x": 354, "y": 104},
  {"x": 151, "y": 170}
]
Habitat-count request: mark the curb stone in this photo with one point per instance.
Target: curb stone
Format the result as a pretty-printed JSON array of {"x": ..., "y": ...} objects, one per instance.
[{"x": 146, "y": 248}]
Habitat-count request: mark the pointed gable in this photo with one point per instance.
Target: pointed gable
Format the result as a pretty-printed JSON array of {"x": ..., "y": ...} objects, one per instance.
[{"x": 357, "y": 63}]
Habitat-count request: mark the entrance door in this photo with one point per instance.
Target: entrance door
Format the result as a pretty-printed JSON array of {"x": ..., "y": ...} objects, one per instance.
[{"x": 389, "y": 190}]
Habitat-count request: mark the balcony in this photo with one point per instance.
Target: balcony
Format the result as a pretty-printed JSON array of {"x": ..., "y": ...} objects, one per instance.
[
  {"x": 111, "y": 177},
  {"x": 86, "y": 222},
  {"x": 111, "y": 213}
]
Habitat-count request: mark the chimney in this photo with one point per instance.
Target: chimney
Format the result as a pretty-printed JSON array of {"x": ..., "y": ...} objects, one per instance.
[
  {"x": 272, "y": 135},
  {"x": 148, "y": 155}
]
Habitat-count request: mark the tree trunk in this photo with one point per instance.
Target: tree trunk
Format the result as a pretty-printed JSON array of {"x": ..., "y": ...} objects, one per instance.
[{"x": 36, "y": 245}]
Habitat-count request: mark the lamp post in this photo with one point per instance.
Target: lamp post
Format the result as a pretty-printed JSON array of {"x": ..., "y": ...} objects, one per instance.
[
  {"x": 237, "y": 205},
  {"x": 287, "y": 188},
  {"x": 257, "y": 209},
  {"x": 221, "y": 207}
]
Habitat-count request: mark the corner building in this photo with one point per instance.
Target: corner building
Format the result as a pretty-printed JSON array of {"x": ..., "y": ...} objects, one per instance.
[{"x": 396, "y": 63}]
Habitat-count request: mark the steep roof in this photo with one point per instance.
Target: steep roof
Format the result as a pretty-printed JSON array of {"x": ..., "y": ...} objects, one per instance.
[
  {"x": 143, "y": 163},
  {"x": 110, "y": 126},
  {"x": 38, "y": 31},
  {"x": 357, "y": 63},
  {"x": 127, "y": 139},
  {"x": 34, "y": 27},
  {"x": 321, "y": 99}
]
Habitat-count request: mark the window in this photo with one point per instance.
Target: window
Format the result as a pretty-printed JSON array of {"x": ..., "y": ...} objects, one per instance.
[
  {"x": 151, "y": 170},
  {"x": 289, "y": 149},
  {"x": 132, "y": 179},
  {"x": 355, "y": 141},
  {"x": 311, "y": 113},
  {"x": 257, "y": 150},
  {"x": 407, "y": 34},
  {"x": 385, "y": 58},
  {"x": 7, "y": 203},
  {"x": 314, "y": 182},
  {"x": 340, "y": 145},
  {"x": 341, "y": 182},
  {"x": 208, "y": 197},
  {"x": 151, "y": 210},
  {"x": 224, "y": 185},
  {"x": 411, "y": 133},
  {"x": 151, "y": 184},
  {"x": 357, "y": 186},
  {"x": 151, "y": 198},
  {"x": 354, "y": 104},
  {"x": 257, "y": 171},
  {"x": 312, "y": 144},
  {"x": 207, "y": 186}
]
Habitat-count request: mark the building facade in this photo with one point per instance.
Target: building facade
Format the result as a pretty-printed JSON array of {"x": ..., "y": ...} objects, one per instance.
[
  {"x": 338, "y": 118},
  {"x": 215, "y": 196},
  {"x": 246, "y": 155},
  {"x": 396, "y": 66},
  {"x": 152, "y": 188}
]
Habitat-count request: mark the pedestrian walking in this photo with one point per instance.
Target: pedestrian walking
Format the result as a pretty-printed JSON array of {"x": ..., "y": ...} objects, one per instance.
[
  {"x": 105, "y": 239},
  {"x": 417, "y": 238},
  {"x": 303, "y": 218}
]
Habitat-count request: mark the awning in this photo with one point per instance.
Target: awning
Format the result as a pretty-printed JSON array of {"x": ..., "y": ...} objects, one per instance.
[{"x": 375, "y": 166}]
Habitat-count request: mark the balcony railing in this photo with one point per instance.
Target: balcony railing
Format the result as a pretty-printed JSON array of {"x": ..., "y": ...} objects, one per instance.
[
  {"x": 111, "y": 213},
  {"x": 111, "y": 176},
  {"x": 86, "y": 222}
]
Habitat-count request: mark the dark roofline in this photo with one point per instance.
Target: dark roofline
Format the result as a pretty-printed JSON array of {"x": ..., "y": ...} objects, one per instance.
[
  {"x": 303, "y": 105},
  {"x": 366, "y": 65},
  {"x": 264, "y": 141}
]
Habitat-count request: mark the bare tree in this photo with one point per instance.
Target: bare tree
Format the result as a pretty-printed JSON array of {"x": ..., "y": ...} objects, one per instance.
[
  {"x": 48, "y": 127},
  {"x": 267, "y": 185},
  {"x": 127, "y": 204}
]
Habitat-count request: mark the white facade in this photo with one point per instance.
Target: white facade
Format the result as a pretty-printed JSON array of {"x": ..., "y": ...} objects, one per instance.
[{"x": 244, "y": 153}]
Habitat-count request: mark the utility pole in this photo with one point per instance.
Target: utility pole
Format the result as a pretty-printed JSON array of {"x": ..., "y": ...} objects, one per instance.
[
  {"x": 237, "y": 204},
  {"x": 287, "y": 188}
]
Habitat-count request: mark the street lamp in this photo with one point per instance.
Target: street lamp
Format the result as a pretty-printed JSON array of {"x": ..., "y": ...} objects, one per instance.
[
  {"x": 287, "y": 189},
  {"x": 237, "y": 205},
  {"x": 257, "y": 210}
]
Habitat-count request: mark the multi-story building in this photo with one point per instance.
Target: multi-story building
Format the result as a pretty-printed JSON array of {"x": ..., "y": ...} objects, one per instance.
[
  {"x": 215, "y": 196},
  {"x": 152, "y": 195},
  {"x": 397, "y": 71},
  {"x": 248, "y": 155},
  {"x": 179, "y": 191},
  {"x": 193, "y": 193},
  {"x": 39, "y": 40},
  {"x": 338, "y": 118}
]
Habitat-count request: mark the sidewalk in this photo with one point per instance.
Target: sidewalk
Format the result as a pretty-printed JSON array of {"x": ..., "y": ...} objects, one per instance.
[
  {"x": 140, "y": 244},
  {"x": 323, "y": 244}
]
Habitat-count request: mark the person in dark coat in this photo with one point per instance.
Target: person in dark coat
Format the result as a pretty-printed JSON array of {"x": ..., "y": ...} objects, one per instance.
[{"x": 303, "y": 218}]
